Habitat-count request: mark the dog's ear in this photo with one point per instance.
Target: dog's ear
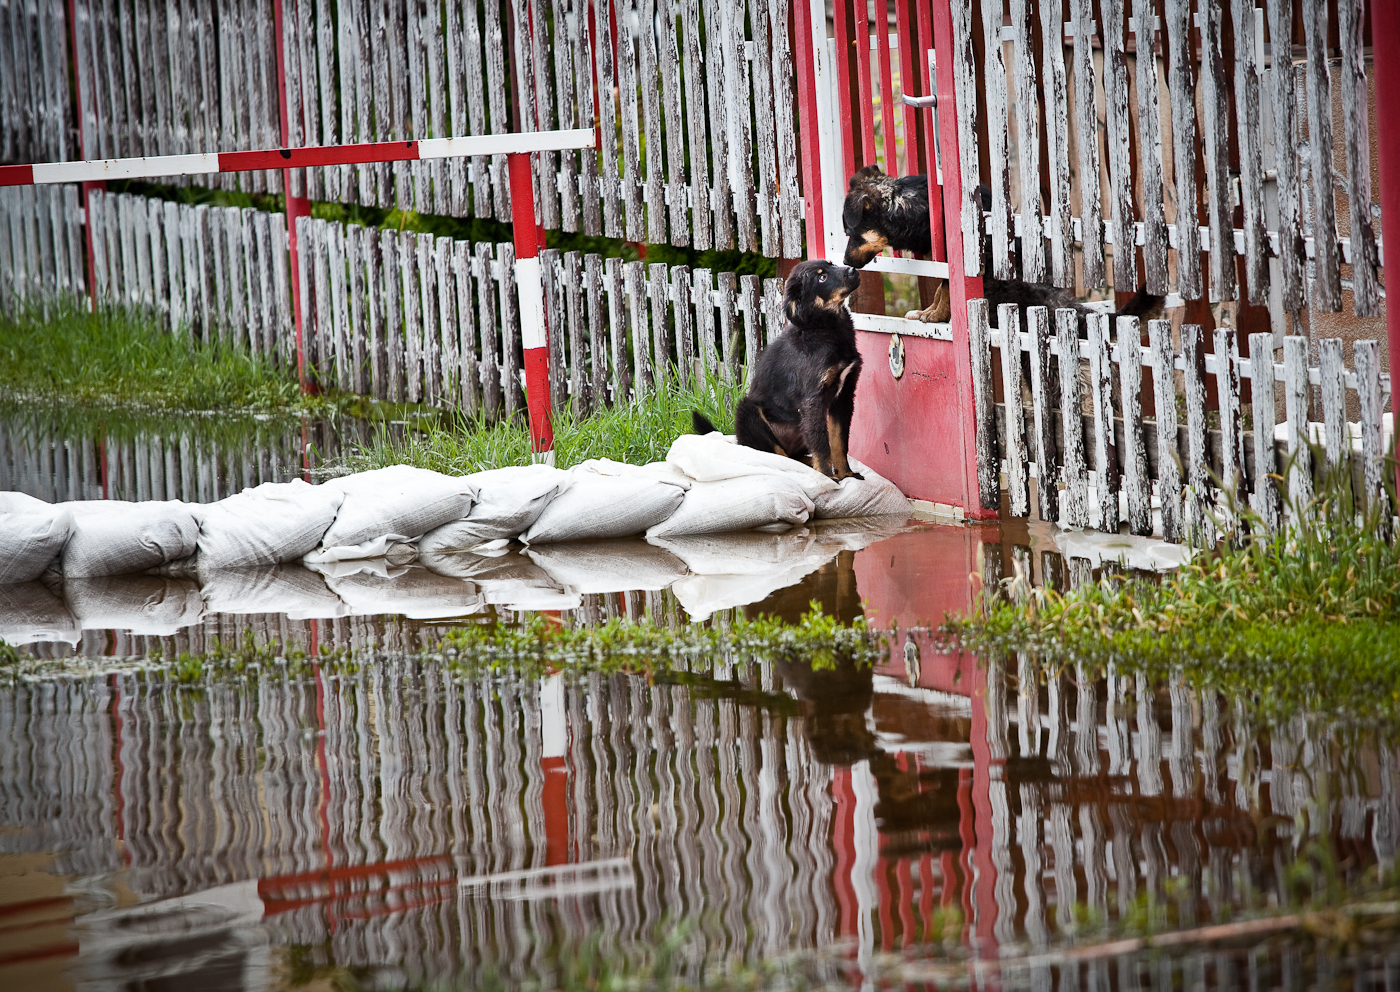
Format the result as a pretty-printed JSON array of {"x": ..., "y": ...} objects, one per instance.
[
  {"x": 799, "y": 291},
  {"x": 857, "y": 203},
  {"x": 866, "y": 174}
]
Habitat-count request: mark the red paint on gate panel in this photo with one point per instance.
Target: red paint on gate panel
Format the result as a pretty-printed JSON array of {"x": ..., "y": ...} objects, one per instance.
[
  {"x": 908, "y": 429},
  {"x": 555, "y": 800}
]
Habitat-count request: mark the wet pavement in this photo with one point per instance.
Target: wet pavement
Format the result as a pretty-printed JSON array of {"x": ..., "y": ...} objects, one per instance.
[{"x": 400, "y": 825}]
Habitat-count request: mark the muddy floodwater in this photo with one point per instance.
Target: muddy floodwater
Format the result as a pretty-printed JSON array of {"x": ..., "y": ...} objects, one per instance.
[{"x": 400, "y": 826}]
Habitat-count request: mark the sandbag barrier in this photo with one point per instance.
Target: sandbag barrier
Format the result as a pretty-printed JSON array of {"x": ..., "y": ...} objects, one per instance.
[{"x": 405, "y": 540}]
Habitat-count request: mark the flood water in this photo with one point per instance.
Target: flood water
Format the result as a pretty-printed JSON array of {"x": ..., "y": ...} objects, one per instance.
[{"x": 401, "y": 826}]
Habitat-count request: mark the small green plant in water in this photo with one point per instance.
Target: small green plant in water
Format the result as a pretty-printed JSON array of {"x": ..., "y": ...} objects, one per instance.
[{"x": 1305, "y": 617}]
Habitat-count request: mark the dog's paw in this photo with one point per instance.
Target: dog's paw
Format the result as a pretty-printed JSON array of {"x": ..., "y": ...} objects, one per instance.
[{"x": 939, "y": 313}]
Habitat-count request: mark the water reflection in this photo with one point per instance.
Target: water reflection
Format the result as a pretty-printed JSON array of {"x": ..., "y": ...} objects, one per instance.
[{"x": 399, "y": 818}]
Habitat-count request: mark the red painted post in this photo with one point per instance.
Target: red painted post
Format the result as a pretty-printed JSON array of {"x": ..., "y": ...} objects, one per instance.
[
  {"x": 297, "y": 206},
  {"x": 534, "y": 331},
  {"x": 83, "y": 153},
  {"x": 961, "y": 287},
  {"x": 809, "y": 134},
  {"x": 935, "y": 191},
  {"x": 1385, "y": 31}
]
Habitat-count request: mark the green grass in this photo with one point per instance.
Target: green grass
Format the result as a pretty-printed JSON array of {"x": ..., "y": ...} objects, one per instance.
[
  {"x": 1304, "y": 619},
  {"x": 636, "y": 432},
  {"x": 121, "y": 358}
]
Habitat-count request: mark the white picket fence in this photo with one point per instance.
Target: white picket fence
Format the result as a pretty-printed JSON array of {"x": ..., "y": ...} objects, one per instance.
[{"x": 1082, "y": 433}]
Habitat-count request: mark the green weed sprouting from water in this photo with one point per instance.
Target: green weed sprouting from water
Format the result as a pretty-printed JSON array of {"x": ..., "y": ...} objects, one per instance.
[
  {"x": 636, "y": 432},
  {"x": 1306, "y": 617},
  {"x": 65, "y": 355}
]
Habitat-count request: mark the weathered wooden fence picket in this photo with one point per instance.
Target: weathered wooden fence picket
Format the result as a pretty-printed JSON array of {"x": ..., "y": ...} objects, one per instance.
[{"x": 1086, "y": 426}]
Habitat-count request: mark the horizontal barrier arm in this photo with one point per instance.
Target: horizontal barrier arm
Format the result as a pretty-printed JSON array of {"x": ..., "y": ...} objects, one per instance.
[{"x": 155, "y": 166}]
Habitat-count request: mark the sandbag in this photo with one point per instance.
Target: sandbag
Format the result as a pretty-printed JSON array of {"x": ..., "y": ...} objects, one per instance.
[
  {"x": 111, "y": 537},
  {"x": 141, "y": 604},
  {"x": 871, "y": 496},
  {"x": 508, "y": 501},
  {"x": 390, "y": 547},
  {"x": 32, "y": 535},
  {"x": 608, "y": 566},
  {"x": 267, "y": 525},
  {"x": 510, "y": 580},
  {"x": 737, "y": 505},
  {"x": 298, "y": 592},
  {"x": 655, "y": 471},
  {"x": 411, "y": 590},
  {"x": 715, "y": 457},
  {"x": 29, "y": 613},
  {"x": 597, "y": 506},
  {"x": 399, "y": 501}
]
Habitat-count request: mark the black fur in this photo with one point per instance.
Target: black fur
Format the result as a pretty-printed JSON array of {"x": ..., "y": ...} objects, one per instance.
[
  {"x": 882, "y": 211},
  {"x": 803, "y": 391}
]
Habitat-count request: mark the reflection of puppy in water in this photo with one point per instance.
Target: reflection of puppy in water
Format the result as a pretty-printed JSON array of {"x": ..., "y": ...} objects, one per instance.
[
  {"x": 884, "y": 212},
  {"x": 920, "y": 806},
  {"x": 803, "y": 391}
]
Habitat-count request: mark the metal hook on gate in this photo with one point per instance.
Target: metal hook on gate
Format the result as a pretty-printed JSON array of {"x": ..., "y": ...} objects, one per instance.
[{"x": 920, "y": 102}]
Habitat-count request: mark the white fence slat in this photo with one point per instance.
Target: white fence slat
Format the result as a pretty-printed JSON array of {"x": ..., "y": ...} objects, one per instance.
[
  {"x": 578, "y": 36},
  {"x": 564, "y": 72},
  {"x": 597, "y": 329},
  {"x": 468, "y": 369},
  {"x": 391, "y": 273},
  {"x": 659, "y": 292},
  {"x": 1181, "y": 88},
  {"x": 1295, "y": 396},
  {"x": 607, "y": 119},
  {"x": 669, "y": 57},
  {"x": 1101, "y": 397},
  {"x": 1264, "y": 499},
  {"x": 702, "y": 295},
  {"x": 636, "y": 289},
  {"x": 1326, "y": 283},
  {"x": 511, "y": 355},
  {"x": 1335, "y": 435},
  {"x": 696, "y": 120},
  {"x": 1042, "y": 400},
  {"x": 1227, "y": 388},
  {"x": 736, "y": 72},
  {"x": 498, "y": 91},
  {"x": 1216, "y": 127},
  {"x": 447, "y": 329},
  {"x": 1017, "y": 478},
  {"x": 988, "y": 474},
  {"x": 1057, "y": 140},
  {"x": 1028, "y": 143},
  {"x": 355, "y": 235},
  {"x": 1075, "y": 506},
  {"x": 1351, "y": 16},
  {"x": 627, "y": 59},
  {"x": 716, "y": 88},
  {"x": 617, "y": 322},
  {"x": 784, "y": 79},
  {"x": 1249, "y": 128},
  {"x": 749, "y": 306},
  {"x": 965, "y": 82},
  {"x": 555, "y": 326},
  {"x": 728, "y": 330},
  {"x": 578, "y": 362},
  {"x": 412, "y": 316},
  {"x": 1200, "y": 501},
  {"x": 1150, "y": 159},
  {"x": 1000, "y": 226},
  {"x": 651, "y": 122},
  {"x": 1168, "y": 455},
  {"x": 764, "y": 134},
  {"x": 1086, "y": 123},
  {"x": 371, "y": 252},
  {"x": 685, "y": 331},
  {"x": 1137, "y": 485},
  {"x": 490, "y": 349},
  {"x": 1366, "y": 355}
]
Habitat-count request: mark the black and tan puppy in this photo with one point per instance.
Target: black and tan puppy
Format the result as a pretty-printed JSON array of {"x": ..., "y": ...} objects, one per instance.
[
  {"x": 884, "y": 212},
  {"x": 804, "y": 386}
]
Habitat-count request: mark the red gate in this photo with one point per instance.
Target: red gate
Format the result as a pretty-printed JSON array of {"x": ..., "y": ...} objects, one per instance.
[{"x": 914, "y": 423}]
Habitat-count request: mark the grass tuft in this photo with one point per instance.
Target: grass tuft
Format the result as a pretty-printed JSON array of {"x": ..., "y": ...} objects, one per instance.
[
  {"x": 1305, "y": 618},
  {"x": 636, "y": 432},
  {"x": 68, "y": 356}
]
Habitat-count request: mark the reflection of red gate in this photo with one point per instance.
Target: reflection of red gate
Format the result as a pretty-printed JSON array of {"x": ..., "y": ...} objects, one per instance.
[{"x": 915, "y": 424}]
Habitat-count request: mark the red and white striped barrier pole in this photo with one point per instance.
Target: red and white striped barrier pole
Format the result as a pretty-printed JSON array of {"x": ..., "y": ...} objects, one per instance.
[{"x": 529, "y": 287}]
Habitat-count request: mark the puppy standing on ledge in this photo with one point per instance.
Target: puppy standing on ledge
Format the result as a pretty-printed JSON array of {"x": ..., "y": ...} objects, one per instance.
[
  {"x": 884, "y": 212},
  {"x": 804, "y": 386}
]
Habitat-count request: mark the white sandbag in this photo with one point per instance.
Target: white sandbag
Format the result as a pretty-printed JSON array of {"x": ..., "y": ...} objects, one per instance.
[
  {"x": 298, "y": 592},
  {"x": 599, "y": 506},
  {"x": 704, "y": 595},
  {"x": 389, "y": 547},
  {"x": 141, "y": 604},
  {"x": 508, "y": 501},
  {"x": 266, "y": 525},
  {"x": 412, "y": 591},
  {"x": 737, "y": 505},
  {"x": 608, "y": 566},
  {"x": 112, "y": 537},
  {"x": 511, "y": 580},
  {"x": 400, "y": 501},
  {"x": 656, "y": 471},
  {"x": 715, "y": 457},
  {"x": 32, "y": 535},
  {"x": 30, "y": 614},
  {"x": 871, "y": 496},
  {"x": 747, "y": 553}
]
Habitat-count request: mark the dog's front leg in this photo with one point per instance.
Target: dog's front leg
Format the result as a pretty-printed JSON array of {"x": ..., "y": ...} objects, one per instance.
[
  {"x": 826, "y": 424},
  {"x": 940, "y": 311}
]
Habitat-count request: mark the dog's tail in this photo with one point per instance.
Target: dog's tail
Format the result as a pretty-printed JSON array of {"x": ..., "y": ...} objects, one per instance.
[
  {"x": 700, "y": 423},
  {"x": 1143, "y": 305}
]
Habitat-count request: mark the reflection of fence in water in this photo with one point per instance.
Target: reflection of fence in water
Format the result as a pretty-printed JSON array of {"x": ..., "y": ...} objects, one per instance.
[{"x": 360, "y": 801}]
